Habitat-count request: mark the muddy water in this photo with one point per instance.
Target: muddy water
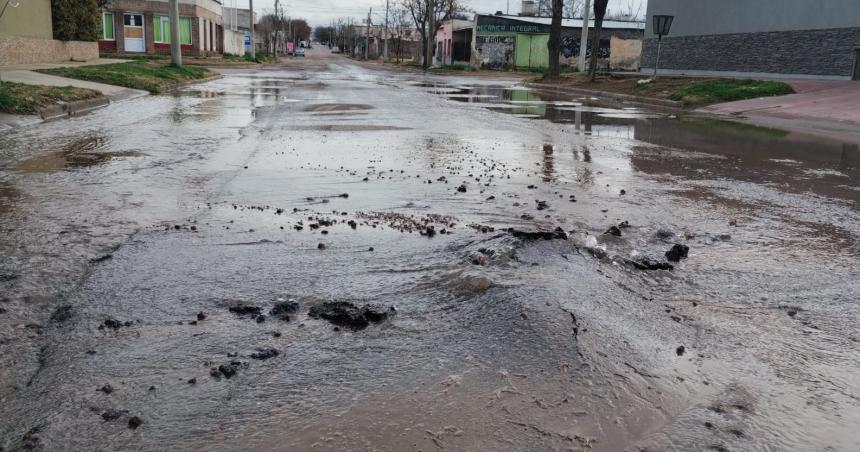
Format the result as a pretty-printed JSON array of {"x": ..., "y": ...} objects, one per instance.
[{"x": 156, "y": 210}]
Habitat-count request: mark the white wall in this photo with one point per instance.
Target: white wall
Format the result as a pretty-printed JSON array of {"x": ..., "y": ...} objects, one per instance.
[{"x": 234, "y": 42}]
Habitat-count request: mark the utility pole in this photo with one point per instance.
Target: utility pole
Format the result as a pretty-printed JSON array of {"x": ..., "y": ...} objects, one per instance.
[
  {"x": 276, "y": 27},
  {"x": 583, "y": 45},
  {"x": 431, "y": 32},
  {"x": 385, "y": 52},
  {"x": 175, "y": 40},
  {"x": 253, "y": 44},
  {"x": 367, "y": 36}
]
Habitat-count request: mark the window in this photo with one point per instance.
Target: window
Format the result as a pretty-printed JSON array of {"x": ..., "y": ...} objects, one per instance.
[
  {"x": 107, "y": 27},
  {"x": 161, "y": 30}
]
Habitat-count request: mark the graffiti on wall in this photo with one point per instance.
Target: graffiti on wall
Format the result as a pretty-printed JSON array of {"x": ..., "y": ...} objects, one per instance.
[
  {"x": 570, "y": 48},
  {"x": 495, "y": 51}
]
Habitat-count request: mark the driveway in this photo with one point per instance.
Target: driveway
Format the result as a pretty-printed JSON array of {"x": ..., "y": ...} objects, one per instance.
[{"x": 820, "y": 106}]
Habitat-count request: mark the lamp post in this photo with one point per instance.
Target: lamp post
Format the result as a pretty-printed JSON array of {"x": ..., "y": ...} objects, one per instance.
[{"x": 662, "y": 25}]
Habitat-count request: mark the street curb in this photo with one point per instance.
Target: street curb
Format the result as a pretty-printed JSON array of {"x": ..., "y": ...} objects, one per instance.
[
  {"x": 177, "y": 86},
  {"x": 73, "y": 108},
  {"x": 666, "y": 104}
]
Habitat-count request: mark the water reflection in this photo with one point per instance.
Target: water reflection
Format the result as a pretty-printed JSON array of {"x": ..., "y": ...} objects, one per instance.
[{"x": 804, "y": 162}]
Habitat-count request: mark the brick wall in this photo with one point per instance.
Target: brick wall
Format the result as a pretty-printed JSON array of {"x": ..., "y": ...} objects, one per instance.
[{"x": 806, "y": 52}]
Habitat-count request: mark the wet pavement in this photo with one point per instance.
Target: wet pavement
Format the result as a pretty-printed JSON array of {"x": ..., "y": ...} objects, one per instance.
[{"x": 331, "y": 257}]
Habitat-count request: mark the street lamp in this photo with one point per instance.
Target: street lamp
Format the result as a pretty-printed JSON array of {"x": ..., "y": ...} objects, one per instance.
[{"x": 662, "y": 25}]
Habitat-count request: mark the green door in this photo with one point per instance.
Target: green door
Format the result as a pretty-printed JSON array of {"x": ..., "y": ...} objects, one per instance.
[
  {"x": 532, "y": 51},
  {"x": 540, "y": 51},
  {"x": 524, "y": 50}
]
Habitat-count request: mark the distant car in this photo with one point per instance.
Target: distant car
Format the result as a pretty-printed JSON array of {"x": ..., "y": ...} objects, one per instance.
[{"x": 300, "y": 52}]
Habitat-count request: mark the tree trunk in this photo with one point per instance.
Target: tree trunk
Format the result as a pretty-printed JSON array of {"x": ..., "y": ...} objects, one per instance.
[
  {"x": 599, "y": 14},
  {"x": 554, "y": 43}
]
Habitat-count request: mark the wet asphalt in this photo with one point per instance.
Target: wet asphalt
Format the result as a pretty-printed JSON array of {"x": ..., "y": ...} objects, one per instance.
[{"x": 171, "y": 269}]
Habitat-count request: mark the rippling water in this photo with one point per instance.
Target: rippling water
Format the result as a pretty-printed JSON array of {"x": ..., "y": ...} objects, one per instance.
[{"x": 156, "y": 209}]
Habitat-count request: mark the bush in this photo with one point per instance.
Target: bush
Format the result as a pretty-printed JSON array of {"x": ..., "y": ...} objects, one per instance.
[{"x": 76, "y": 20}]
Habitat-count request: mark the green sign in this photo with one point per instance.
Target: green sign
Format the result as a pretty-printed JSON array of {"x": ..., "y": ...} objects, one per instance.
[{"x": 509, "y": 28}]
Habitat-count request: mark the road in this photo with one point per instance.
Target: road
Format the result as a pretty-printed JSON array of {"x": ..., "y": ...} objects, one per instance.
[{"x": 498, "y": 236}]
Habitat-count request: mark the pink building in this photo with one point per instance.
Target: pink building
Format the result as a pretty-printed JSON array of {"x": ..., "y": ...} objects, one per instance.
[{"x": 454, "y": 42}]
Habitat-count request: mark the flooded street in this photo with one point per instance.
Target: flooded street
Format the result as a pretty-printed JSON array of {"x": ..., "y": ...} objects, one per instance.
[{"x": 326, "y": 256}]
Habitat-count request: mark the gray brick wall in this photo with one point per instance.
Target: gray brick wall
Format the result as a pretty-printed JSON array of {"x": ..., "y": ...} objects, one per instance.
[{"x": 807, "y": 52}]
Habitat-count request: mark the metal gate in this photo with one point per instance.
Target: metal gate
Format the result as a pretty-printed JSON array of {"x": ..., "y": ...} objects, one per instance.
[{"x": 532, "y": 50}]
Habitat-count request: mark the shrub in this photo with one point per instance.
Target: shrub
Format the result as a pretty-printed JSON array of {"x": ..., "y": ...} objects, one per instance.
[{"x": 76, "y": 20}]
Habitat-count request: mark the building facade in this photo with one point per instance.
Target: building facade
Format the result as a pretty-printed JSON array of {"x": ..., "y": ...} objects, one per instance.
[
  {"x": 236, "y": 23},
  {"x": 776, "y": 38},
  {"x": 27, "y": 36},
  {"x": 505, "y": 42},
  {"x": 454, "y": 42},
  {"x": 143, "y": 26}
]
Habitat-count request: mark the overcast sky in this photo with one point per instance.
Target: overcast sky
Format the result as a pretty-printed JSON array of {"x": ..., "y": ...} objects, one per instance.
[{"x": 320, "y": 12}]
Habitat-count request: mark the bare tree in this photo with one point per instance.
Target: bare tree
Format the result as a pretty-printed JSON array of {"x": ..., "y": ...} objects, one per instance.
[
  {"x": 554, "y": 43},
  {"x": 419, "y": 11},
  {"x": 599, "y": 14},
  {"x": 573, "y": 8},
  {"x": 630, "y": 11}
]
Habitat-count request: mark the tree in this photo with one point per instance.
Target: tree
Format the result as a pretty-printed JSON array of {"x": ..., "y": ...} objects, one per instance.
[
  {"x": 301, "y": 29},
  {"x": 443, "y": 10},
  {"x": 599, "y": 14},
  {"x": 324, "y": 34},
  {"x": 554, "y": 43},
  {"x": 76, "y": 20},
  {"x": 573, "y": 8}
]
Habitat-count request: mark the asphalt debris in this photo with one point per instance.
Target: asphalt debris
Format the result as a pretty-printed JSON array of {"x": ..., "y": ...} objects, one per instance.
[
  {"x": 348, "y": 315},
  {"x": 677, "y": 253}
]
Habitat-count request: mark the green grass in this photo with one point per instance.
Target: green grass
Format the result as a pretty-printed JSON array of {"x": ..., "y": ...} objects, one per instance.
[
  {"x": 728, "y": 90},
  {"x": 20, "y": 99},
  {"x": 150, "y": 75}
]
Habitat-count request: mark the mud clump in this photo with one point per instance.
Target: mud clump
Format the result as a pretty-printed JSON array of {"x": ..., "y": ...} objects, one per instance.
[
  {"x": 649, "y": 265},
  {"x": 284, "y": 310},
  {"x": 134, "y": 422},
  {"x": 680, "y": 350},
  {"x": 228, "y": 370},
  {"x": 243, "y": 310},
  {"x": 677, "y": 253},
  {"x": 263, "y": 354},
  {"x": 557, "y": 234},
  {"x": 348, "y": 315},
  {"x": 112, "y": 415},
  {"x": 114, "y": 324}
]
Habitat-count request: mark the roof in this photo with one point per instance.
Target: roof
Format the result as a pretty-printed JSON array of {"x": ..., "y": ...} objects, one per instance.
[
  {"x": 577, "y": 23},
  {"x": 462, "y": 24}
]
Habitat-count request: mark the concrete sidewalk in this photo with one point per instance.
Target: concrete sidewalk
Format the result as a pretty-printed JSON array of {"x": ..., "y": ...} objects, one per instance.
[
  {"x": 25, "y": 74},
  {"x": 822, "y": 107}
]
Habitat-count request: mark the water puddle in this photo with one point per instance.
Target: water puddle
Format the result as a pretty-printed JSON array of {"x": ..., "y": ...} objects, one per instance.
[
  {"x": 337, "y": 107},
  {"x": 82, "y": 153}
]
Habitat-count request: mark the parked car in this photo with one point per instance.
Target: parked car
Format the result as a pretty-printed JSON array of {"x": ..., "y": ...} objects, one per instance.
[{"x": 300, "y": 52}]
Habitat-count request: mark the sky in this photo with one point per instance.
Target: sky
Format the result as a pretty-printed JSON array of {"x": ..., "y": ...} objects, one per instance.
[{"x": 321, "y": 12}]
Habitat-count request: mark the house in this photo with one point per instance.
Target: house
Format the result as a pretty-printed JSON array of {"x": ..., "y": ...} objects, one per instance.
[
  {"x": 773, "y": 38},
  {"x": 454, "y": 42},
  {"x": 27, "y": 36},
  {"x": 143, "y": 26},
  {"x": 504, "y": 42}
]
